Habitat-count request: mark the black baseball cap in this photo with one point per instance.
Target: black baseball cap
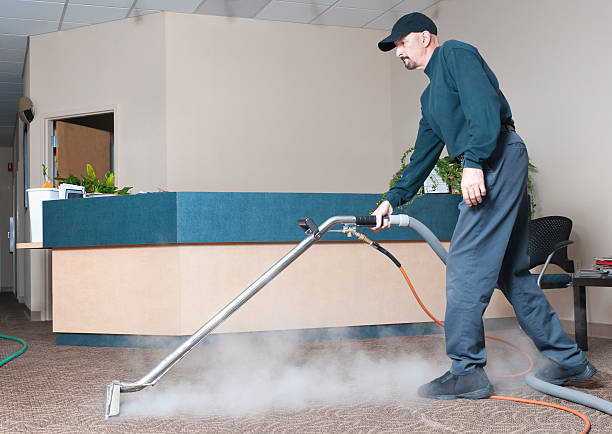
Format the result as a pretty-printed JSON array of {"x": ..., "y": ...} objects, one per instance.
[{"x": 414, "y": 22}]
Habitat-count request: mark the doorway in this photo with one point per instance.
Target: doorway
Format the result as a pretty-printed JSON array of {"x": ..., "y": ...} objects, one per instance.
[
  {"x": 82, "y": 140},
  {"x": 75, "y": 142}
]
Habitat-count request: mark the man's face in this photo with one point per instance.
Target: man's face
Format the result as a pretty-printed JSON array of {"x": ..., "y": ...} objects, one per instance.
[{"x": 410, "y": 50}]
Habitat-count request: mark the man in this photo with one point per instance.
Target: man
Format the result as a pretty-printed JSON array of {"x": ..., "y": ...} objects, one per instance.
[{"x": 463, "y": 108}]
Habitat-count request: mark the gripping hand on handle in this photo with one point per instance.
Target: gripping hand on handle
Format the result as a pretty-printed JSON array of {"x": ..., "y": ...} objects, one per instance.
[{"x": 383, "y": 210}]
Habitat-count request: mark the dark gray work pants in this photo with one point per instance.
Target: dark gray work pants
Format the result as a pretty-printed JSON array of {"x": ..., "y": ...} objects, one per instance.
[{"x": 489, "y": 248}]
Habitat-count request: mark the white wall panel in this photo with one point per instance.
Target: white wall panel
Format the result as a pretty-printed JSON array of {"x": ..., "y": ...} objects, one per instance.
[
  {"x": 93, "y": 14},
  {"x": 379, "y": 5},
  {"x": 34, "y": 10},
  {"x": 10, "y": 55},
  {"x": 350, "y": 17},
  {"x": 110, "y": 3},
  {"x": 233, "y": 8},
  {"x": 15, "y": 26},
  {"x": 14, "y": 42},
  {"x": 291, "y": 11},
  {"x": 185, "y": 6},
  {"x": 13, "y": 68}
]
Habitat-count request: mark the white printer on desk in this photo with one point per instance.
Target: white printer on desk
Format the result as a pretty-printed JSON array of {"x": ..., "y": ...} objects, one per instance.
[{"x": 71, "y": 191}]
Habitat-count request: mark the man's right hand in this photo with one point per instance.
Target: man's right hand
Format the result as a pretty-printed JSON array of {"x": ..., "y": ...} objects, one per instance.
[
  {"x": 384, "y": 209},
  {"x": 473, "y": 186}
]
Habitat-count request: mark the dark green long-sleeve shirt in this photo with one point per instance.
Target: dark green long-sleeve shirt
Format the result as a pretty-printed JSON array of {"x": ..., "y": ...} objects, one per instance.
[{"x": 462, "y": 108}]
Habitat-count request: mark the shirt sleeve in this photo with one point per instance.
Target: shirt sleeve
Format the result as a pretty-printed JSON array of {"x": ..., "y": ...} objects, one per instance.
[
  {"x": 480, "y": 104},
  {"x": 427, "y": 150}
]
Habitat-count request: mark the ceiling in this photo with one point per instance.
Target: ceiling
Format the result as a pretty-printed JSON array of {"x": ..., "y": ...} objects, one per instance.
[{"x": 21, "y": 18}]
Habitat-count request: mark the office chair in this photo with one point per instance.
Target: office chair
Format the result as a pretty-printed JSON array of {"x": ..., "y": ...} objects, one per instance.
[{"x": 548, "y": 241}]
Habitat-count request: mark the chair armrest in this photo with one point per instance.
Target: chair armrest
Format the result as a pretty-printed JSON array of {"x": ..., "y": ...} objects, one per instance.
[{"x": 558, "y": 246}]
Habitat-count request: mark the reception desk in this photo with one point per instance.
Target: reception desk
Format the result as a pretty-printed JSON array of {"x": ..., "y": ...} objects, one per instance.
[{"x": 128, "y": 267}]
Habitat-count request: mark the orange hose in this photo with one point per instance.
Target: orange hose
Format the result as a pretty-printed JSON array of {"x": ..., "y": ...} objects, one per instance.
[{"x": 587, "y": 426}]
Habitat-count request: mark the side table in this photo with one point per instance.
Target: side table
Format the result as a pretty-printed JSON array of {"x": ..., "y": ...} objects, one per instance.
[{"x": 580, "y": 318}]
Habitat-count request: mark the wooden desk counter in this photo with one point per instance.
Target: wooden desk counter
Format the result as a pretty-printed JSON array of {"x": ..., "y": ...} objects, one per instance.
[{"x": 163, "y": 264}]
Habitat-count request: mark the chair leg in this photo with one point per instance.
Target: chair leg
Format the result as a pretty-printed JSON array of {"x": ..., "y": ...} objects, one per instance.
[{"x": 580, "y": 319}]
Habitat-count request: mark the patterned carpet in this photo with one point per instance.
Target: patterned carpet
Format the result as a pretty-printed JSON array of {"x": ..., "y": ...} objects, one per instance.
[{"x": 251, "y": 385}]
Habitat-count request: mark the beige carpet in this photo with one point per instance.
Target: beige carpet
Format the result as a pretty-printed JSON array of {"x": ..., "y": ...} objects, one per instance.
[{"x": 255, "y": 386}]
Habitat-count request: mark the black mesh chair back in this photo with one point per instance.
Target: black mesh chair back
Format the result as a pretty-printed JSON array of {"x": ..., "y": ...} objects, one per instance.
[{"x": 544, "y": 234}]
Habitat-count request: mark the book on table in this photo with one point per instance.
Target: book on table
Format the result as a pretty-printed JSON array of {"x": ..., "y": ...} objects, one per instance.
[{"x": 592, "y": 273}]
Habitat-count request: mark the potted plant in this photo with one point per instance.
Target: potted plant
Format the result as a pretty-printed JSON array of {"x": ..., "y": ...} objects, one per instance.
[
  {"x": 450, "y": 171},
  {"x": 94, "y": 186}
]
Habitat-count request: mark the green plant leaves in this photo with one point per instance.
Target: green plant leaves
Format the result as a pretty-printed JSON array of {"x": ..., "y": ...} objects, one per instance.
[
  {"x": 110, "y": 179},
  {"x": 92, "y": 184},
  {"x": 450, "y": 171},
  {"x": 123, "y": 191},
  {"x": 90, "y": 173}
]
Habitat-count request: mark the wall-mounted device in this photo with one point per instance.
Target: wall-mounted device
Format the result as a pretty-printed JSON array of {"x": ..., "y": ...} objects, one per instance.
[
  {"x": 25, "y": 109},
  {"x": 71, "y": 191}
]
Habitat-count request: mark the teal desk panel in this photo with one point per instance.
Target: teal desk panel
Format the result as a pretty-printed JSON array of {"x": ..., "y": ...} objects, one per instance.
[
  {"x": 215, "y": 217},
  {"x": 110, "y": 220}
]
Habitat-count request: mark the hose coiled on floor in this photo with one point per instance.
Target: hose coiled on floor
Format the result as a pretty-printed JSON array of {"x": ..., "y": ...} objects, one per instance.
[
  {"x": 18, "y": 353},
  {"x": 569, "y": 394},
  {"x": 532, "y": 381}
]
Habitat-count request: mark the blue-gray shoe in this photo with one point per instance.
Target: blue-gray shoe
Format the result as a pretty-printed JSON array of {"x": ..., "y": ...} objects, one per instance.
[
  {"x": 472, "y": 385},
  {"x": 556, "y": 374}
]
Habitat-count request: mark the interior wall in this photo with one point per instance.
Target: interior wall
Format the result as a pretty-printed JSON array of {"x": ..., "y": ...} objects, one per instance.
[
  {"x": 6, "y": 211},
  {"x": 18, "y": 206},
  {"x": 118, "y": 65},
  {"x": 293, "y": 102},
  {"x": 257, "y": 105},
  {"x": 22, "y": 225},
  {"x": 549, "y": 57},
  {"x": 406, "y": 89}
]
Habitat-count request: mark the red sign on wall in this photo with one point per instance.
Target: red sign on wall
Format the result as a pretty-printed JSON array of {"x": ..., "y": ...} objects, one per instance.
[{"x": 10, "y": 166}]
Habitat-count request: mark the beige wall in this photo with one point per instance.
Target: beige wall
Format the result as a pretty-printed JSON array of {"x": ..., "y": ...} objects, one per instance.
[
  {"x": 6, "y": 211},
  {"x": 208, "y": 103},
  {"x": 22, "y": 255},
  {"x": 259, "y": 105},
  {"x": 117, "y": 66},
  {"x": 550, "y": 58}
]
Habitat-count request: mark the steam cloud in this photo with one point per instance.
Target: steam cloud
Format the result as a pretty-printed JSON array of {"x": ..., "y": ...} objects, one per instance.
[{"x": 256, "y": 376}]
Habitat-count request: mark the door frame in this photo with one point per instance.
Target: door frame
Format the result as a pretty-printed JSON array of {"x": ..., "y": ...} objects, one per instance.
[{"x": 46, "y": 132}]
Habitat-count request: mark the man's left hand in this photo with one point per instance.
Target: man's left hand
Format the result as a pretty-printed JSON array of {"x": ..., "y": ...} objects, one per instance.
[{"x": 473, "y": 186}]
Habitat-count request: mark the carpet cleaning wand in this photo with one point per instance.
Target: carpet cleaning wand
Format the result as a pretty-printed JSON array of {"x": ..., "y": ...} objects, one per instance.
[{"x": 313, "y": 234}]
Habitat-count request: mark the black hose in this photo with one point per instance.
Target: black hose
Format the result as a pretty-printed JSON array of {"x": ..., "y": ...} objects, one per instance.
[{"x": 386, "y": 252}]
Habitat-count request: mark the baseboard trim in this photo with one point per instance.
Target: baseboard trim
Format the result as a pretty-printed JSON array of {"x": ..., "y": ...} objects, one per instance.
[
  {"x": 32, "y": 315},
  {"x": 301, "y": 335},
  {"x": 594, "y": 330}
]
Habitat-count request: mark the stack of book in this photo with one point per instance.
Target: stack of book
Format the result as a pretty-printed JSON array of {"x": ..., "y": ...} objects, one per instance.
[
  {"x": 604, "y": 264},
  {"x": 602, "y": 268}
]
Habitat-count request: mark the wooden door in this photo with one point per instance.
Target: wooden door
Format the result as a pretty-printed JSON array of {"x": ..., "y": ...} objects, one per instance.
[{"x": 79, "y": 145}]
